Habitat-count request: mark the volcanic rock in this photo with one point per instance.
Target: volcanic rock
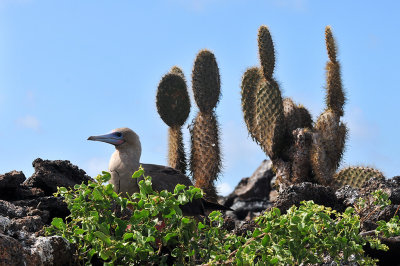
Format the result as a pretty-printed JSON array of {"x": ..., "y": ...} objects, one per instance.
[
  {"x": 52, "y": 174},
  {"x": 25, "y": 207},
  {"x": 251, "y": 196}
]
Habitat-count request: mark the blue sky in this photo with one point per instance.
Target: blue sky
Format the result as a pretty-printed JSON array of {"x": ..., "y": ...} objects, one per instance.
[{"x": 71, "y": 69}]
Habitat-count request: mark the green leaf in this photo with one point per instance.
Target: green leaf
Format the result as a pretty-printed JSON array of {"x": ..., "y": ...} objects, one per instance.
[
  {"x": 79, "y": 231},
  {"x": 200, "y": 225},
  {"x": 179, "y": 187},
  {"x": 150, "y": 239},
  {"x": 97, "y": 194},
  {"x": 128, "y": 236},
  {"x": 185, "y": 220},
  {"x": 63, "y": 189},
  {"x": 104, "y": 255},
  {"x": 103, "y": 237},
  {"x": 138, "y": 173},
  {"x": 58, "y": 223},
  {"x": 265, "y": 240},
  {"x": 91, "y": 253},
  {"x": 141, "y": 214},
  {"x": 168, "y": 237},
  {"x": 105, "y": 177},
  {"x": 257, "y": 232},
  {"x": 277, "y": 212}
]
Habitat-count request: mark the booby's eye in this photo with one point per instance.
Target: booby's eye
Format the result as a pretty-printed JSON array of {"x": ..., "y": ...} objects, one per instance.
[{"x": 118, "y": 134}]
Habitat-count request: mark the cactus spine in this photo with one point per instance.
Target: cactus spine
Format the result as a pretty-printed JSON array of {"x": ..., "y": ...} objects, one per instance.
[
  {"x": 173, "y": 106},
  {"x": 330, "y": 133},
  {"x": 299, "y": 151},
  {"x": 205, "y": 160},
  {"x": 356, "y": 176}
]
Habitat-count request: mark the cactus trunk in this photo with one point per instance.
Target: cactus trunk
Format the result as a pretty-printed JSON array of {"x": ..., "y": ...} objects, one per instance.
[{"x": 176, "y": 149}]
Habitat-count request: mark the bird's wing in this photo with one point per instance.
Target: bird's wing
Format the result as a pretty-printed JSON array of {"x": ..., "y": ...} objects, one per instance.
[{"x": 164, "y": 177}]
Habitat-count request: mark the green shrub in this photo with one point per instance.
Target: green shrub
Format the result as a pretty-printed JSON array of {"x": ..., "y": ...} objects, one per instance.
[{"x": 128, "y": 230}]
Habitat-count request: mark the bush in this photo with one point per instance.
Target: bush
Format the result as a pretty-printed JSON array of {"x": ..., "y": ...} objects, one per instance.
[{"x": 149, "y": 228}]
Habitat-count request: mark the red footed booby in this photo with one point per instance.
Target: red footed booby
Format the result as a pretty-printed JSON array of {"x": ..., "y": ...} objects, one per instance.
[{"x": 125, "y": 161}]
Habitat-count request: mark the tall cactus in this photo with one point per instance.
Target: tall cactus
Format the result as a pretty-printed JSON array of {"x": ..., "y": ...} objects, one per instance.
[
  {"x": 205, "y": 160},
  {"x": 284, "y": 130},
  {"x": 173, "y": 106},
  {"x": 330, "y": 133}
]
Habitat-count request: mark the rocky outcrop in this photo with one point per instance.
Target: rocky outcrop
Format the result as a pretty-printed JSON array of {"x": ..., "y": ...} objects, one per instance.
[
  {"x": 252, "y": 195},
  {"x": 27, "y": 205},
  {"x": 52, "y": 174},
  {"x": 294, "y": 194},
  {"x": 256, "y": 194}
]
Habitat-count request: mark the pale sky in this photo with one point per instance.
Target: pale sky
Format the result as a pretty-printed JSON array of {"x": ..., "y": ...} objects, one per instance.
[{"x": 71, "y": 69}]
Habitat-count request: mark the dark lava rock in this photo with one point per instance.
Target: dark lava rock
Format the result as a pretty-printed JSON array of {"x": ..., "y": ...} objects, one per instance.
[
  {"x": 294, "y": 194},
  {"x": 52, "y": 250},
  {"x": 52, "y": 206},
  {"x": 389, "y": 186},
  {"x": 245, "y": 228},
  {"x": 347, "y": 195},
  {"x": 25, "y": 207},
  {"x": 390, "y": 257},
  {"x": 8, "y": 209},
  {"x": 11, "y": 180},
  {"x": 10, "y": 183},
  {"x": 51, "y": 174},
  {"x": 251, "y": 196}
]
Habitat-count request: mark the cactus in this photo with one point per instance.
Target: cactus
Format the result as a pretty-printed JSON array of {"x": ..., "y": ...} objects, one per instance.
[
  {"x": 331, "y": 133},
  {"x": 205, "y": 160},
  {"x": 299, "y": 151},
  {"x": 356, "y": 176},
  {"x": 173, "y": 106},
  {"x": 250, "y": 81},
  {"x": 270, "y": 118},
  {"x": 205, "y": 81}
]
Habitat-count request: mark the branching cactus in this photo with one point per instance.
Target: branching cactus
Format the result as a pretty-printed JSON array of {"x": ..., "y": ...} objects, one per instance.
[
  {"x": 299, "y": 151},
  {"x": 205, "y": 160},
  {"x": 330, "y": 133},
  {"x": 173, "y": 106}
]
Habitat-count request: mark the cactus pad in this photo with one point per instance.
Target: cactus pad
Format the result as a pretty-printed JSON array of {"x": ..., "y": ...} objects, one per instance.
[
  {"x": 356, "y": 176},
  {"x": 329, "y": 141},
  {"x": 206, "y": 81},
  {"x": 250, "y": 81},
  {"x": 335, "y": 97},
  {"x": 173, "y": 103},
  {"x": 270, "y": 118},
  {"x": 266, "y": 51},
  {"x": 295, "y": 116},
  {"x": 330, "y": 44}
]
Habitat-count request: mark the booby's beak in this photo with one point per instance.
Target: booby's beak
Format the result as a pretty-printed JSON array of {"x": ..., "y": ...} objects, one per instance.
[{"x": 114, "y": 138}]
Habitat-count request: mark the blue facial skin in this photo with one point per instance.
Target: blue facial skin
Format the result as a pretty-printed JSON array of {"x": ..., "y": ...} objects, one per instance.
[{"x": 114, "y": 138}]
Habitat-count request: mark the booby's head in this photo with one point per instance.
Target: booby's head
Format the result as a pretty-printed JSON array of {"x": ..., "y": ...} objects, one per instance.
[{"x": 121, "y": 138}]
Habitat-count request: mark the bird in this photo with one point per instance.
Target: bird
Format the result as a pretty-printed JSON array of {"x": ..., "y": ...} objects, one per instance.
[{"x": 126, "y": 160}]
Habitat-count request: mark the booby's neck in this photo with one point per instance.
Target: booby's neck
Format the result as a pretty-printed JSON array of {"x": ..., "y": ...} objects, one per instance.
[{"x": 123, "y": 163}]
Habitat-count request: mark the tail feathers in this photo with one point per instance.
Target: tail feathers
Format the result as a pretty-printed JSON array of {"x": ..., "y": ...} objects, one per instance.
[{"x": 215, "y": 206}]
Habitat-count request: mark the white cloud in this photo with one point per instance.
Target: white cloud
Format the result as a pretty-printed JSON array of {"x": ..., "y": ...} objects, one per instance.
[
  {"x": 96, "y": 165},
  {"x": 224, "y": 189},
  {"x": 29, "y": 121}
]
